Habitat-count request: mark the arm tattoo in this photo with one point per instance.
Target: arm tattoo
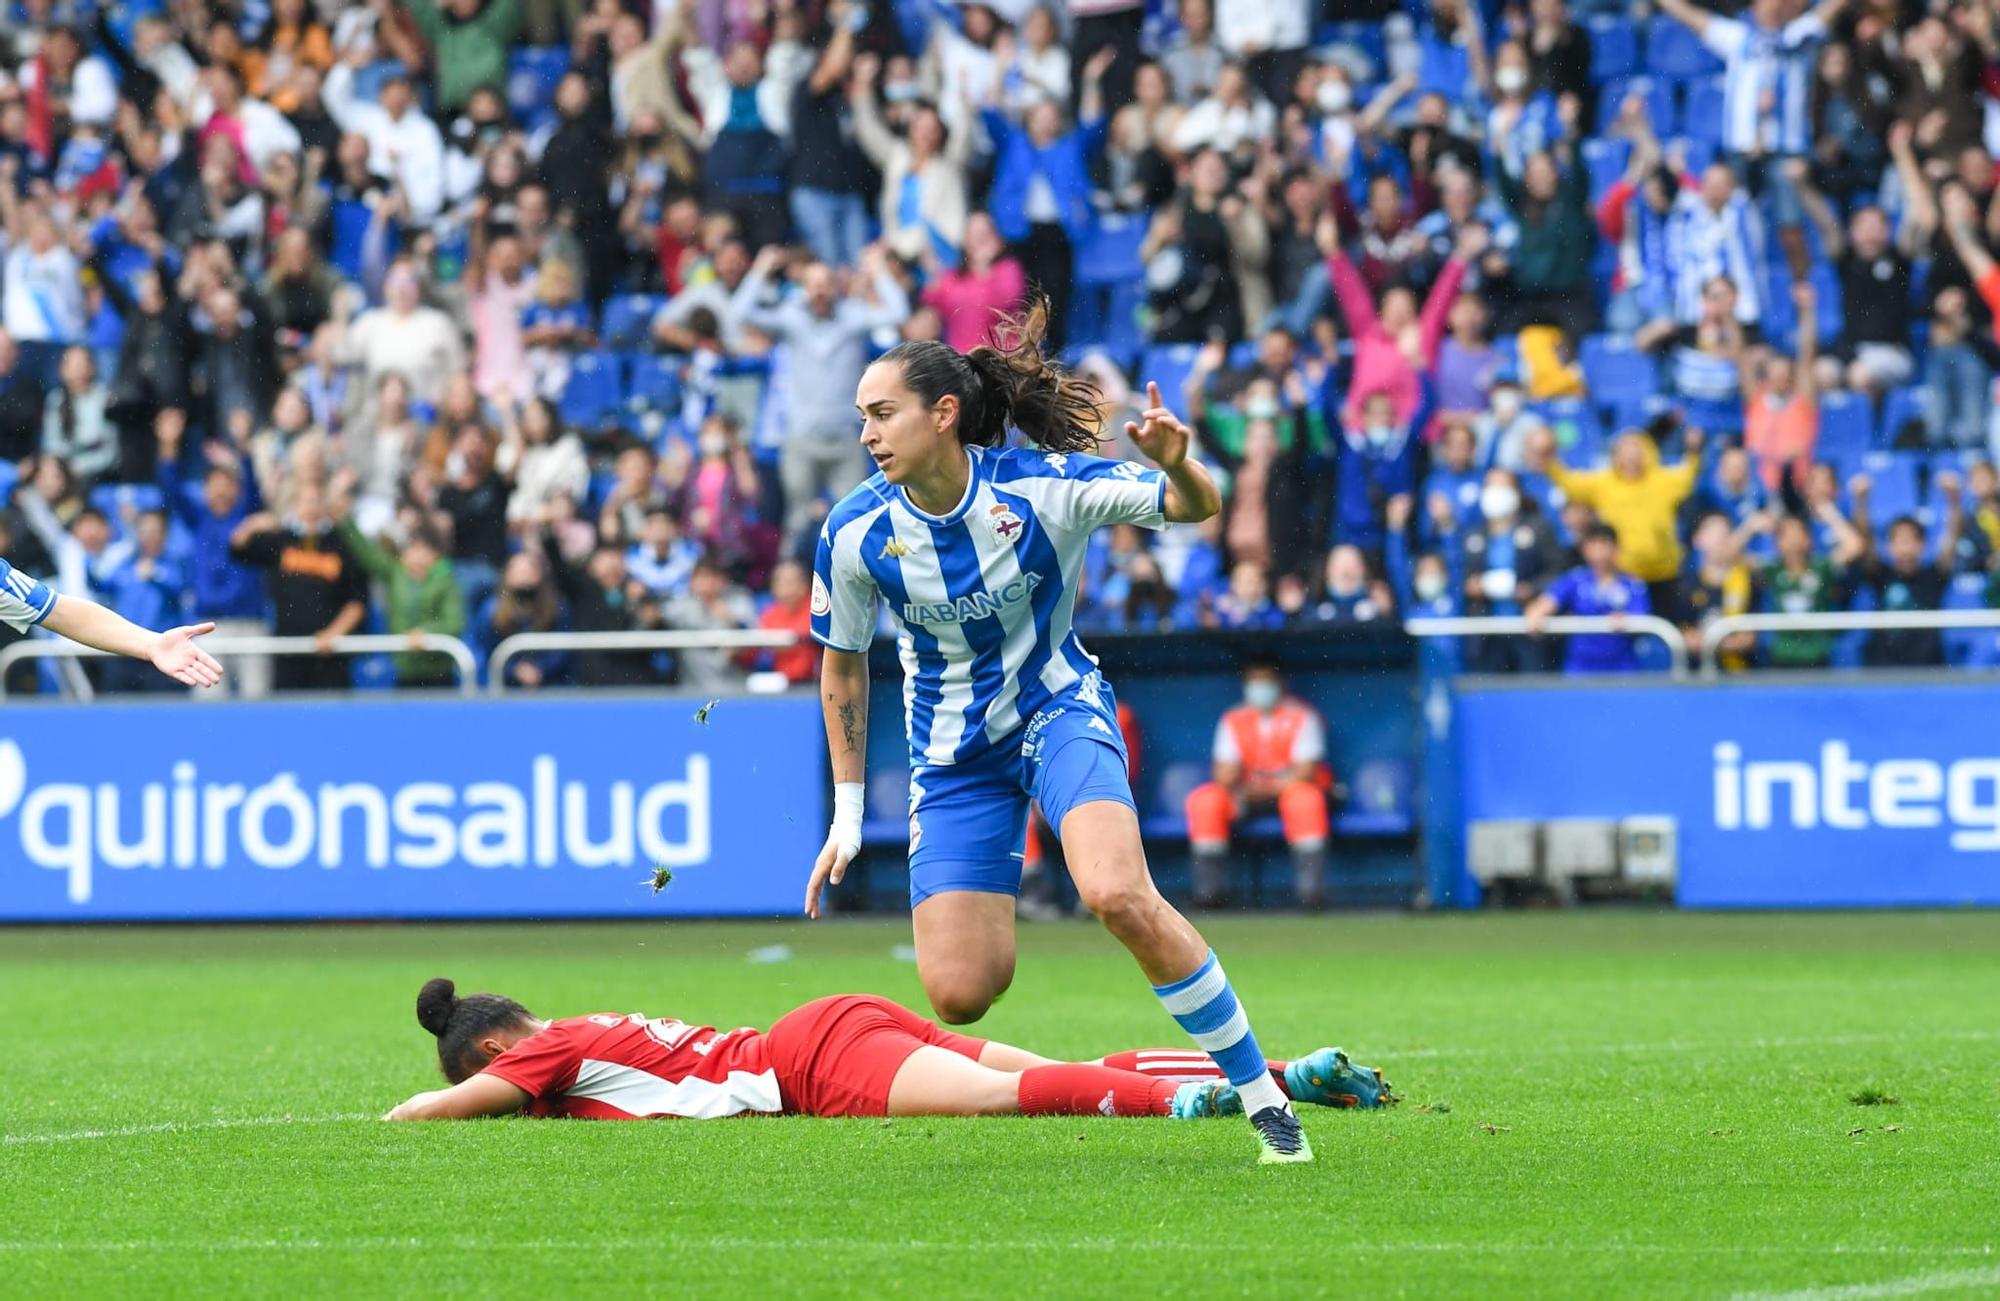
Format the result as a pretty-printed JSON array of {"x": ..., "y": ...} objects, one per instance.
[{"x": 848, "y": 722}]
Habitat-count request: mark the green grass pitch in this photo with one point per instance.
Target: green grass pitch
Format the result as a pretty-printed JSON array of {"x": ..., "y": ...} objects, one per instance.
[{"x": 1625, "y": 1104}]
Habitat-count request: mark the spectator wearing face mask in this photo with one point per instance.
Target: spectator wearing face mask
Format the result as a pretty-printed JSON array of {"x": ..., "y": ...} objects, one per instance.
[
  {"x": 1504, "y": 430},
  {"x": 1269, "y": 755},
  {"x": 525, "y": 602},
  {"x": 1594, "y": 588},
  {"x": 1509, "y": 554}
]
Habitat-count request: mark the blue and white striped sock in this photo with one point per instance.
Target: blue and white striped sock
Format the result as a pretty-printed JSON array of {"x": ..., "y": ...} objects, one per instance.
[{"x": 1206, "y": 1007}]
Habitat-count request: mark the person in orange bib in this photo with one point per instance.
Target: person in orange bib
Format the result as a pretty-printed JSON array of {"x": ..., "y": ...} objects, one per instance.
[{"x": 1270, "y": 752}]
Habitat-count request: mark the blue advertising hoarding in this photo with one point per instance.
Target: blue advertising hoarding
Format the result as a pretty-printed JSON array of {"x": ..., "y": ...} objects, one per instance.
[
  {"x": 399, "y": 807},
  {"x": 1829, "y": 794}
]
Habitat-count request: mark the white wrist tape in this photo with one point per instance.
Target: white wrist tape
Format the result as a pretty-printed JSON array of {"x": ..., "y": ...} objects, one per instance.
[{"x": 848, "y": 799}]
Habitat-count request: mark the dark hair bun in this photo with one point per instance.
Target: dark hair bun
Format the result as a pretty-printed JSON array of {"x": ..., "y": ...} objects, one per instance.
[{"x": 435, "y": 1004}]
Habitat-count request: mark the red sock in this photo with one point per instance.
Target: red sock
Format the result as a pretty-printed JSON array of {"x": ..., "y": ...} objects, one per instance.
[
  {"x": 1180, "y": 1064},
  {"x": 1078, "y": 1090}
]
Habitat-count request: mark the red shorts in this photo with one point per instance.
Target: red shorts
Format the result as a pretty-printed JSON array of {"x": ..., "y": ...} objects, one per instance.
[{"x": 838, "y": 1056}]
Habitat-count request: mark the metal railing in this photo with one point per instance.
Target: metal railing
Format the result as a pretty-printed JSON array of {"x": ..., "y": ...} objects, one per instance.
[
  {"x": 1635, "y": 625},
  {"x": 522, "y": 643},
  {"x": 222, "y": 647},
  {"x": 1720, "y": 630}
]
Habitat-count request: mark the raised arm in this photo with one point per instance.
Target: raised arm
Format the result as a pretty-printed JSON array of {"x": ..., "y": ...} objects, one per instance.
[
  {"x": 1191, "y": 494},
  {"x": 1961, "y": 217},
  {"x": 1437, "y": 306},
  {"x": 1690, "y": 16},
  {"x": 1805, "y": 305},
  {"x": 1920, "y": 211},
  {"x": 1356, "y": 303}
]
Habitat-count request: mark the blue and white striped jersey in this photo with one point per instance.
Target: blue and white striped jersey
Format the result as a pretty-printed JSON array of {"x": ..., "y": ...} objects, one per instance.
[
  {"x": 24, "y": 601},
  {"x": 1766, "y": 83},
  {"x": 1703, "y": 243},
  {"x": 984, "y": 595}
]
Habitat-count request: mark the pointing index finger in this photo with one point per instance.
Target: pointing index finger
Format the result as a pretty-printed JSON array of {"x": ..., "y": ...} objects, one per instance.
[{"x": 1153, "y": 393}]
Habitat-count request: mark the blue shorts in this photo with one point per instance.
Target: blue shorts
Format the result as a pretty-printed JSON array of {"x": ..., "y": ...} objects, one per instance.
[{"x": 968, "y": 821}]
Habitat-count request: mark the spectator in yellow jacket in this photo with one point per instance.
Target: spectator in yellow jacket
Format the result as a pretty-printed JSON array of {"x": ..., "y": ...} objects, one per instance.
[{"x": 1640, "y": 499}]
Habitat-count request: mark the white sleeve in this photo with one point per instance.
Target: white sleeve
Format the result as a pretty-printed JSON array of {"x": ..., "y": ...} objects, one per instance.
[
  {"x": 1309, "y": 746},
  {"x": 1724, "y": 37},
  {"x": 24, "y": 601},
  {"x": 1224, "y": 750},
  {"x": 843, "y": 591},
  {"x": 93, "y": 93},
  {"x": 1104, "y": 491}
]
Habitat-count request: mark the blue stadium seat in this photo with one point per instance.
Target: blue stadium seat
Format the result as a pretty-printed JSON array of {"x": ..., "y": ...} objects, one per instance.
[
  {"x": 1618, "y": 374},
  {"x": 594, "y": 391},
  {"x": 1701, "y": 114},
  {"x": 1579, "y": 435},
  {"x": 1169, "y": 365},
  {"x": 1969, "y": 647},
  {"x": 1899, "y": 408},
  {"x": 1444, "y": 70},
  {"x": 1380, "y": 800},
  {"x": 628, "y": 320},
  {"x": 1614, "y": 48},
  {"x": 1894, "y": 492},
  {"x": 1124, "y": 335},
  {"x": 1675, "y": 52},
  {"x": 1606, "y": 158},
  {"x": 10, "y": 474},
  {"x": 533, "y": 72},
  {"x": 1699, "y": 154},
  {"x": 1846, "y": 426},
  {"x": 654, "y": 383},
  {"x": 1110, "y": 253},
  {"x": 1176, "y": 780}
]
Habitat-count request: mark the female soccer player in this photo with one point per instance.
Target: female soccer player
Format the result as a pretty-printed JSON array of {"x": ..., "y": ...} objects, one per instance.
[
  {"x": 849, "y": 1055},
  {"x": 976, "y": 546},
  {"x": 26, "y": 602}
]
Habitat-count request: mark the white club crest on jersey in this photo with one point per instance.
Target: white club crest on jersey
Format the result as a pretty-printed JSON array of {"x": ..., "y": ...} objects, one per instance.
[
  {"x": 1127, "y": 470},
  {"x": 1004, "y": 524},
  {"x": 822, "y": 600}
]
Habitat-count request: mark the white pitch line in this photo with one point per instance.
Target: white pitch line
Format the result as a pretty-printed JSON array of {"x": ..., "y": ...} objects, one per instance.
[
  {"x": 823, "y": 1245},
  {"x": 1914, "y": 1285},
  {"x": 1692, "y": 1046},
  {"x": 176, "y": 1127}
]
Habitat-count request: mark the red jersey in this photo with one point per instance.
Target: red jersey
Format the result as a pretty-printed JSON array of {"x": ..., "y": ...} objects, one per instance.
[{"x": 608, "y": 1067}]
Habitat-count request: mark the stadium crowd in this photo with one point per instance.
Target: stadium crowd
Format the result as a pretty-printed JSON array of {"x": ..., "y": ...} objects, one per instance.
[{"x": 487, "y": 316}]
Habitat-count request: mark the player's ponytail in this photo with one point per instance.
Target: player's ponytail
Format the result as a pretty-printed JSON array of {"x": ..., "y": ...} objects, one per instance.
[
  {"x": 1008, "y": 382},
  {"x": 460, "y": 1023}
]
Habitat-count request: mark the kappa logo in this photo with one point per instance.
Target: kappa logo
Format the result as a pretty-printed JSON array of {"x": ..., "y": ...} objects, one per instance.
[
  {"x": 1110, "y": 1104},
  {"x": 1006, "y": 525},
  {"x": 1099, "y": 725},
  {"x": 1126, "y": 470},
  {"x": 896, "y": 549},
  {"x": 1059, "y": 462},
  {"x": 822, "y": 600}
]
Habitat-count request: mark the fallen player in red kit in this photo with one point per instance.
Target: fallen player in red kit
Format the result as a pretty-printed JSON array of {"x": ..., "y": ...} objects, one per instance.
[{"x": 847, "y": 1055}]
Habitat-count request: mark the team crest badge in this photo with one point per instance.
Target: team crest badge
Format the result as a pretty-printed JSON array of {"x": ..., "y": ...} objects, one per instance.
[
  {"x": 1006, "y": 525},
  {"x": 822, "y": 601}
]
